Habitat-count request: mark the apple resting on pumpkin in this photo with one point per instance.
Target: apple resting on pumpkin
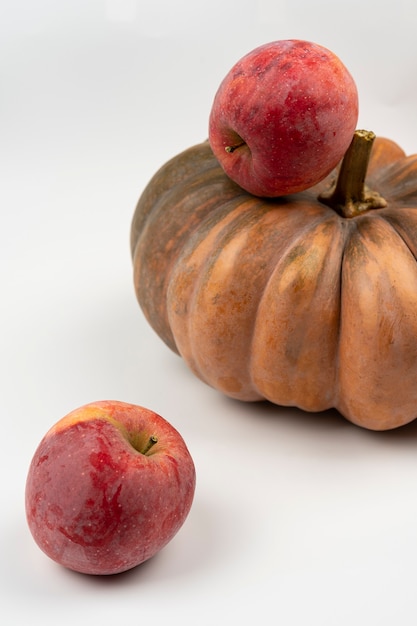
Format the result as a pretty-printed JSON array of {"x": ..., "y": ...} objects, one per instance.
[{"x": 283, "y": 117}]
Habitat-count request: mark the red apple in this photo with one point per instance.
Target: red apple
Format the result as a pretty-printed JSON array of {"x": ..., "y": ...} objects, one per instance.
[
  {"x": 109, "y": 486},
  {"x": 283, "y": 117}
]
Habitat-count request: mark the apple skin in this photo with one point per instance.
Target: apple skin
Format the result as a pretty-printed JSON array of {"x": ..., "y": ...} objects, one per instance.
[
  {"x": 283, "y": 117},
  {"x": 95, "y": 503}
]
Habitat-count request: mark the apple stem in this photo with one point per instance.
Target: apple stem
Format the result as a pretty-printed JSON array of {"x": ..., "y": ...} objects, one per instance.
[
  {"x": 349, "y": 196},
  {"x": 152, "y": 441},
  {"x": 231, "y": 149}
]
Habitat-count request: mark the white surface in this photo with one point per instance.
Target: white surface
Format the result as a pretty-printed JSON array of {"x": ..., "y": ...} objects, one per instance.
[{"x": 298, "y": 519}]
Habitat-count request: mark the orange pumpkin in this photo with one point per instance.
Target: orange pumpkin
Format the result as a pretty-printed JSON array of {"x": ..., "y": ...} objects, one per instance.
[{"x": 308, "y": 300}]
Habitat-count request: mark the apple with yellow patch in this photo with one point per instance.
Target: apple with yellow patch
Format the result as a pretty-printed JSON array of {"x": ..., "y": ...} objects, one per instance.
[{"x": 108, "y": 487}]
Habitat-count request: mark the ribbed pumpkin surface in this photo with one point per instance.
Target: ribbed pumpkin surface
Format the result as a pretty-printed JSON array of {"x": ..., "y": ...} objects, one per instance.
[{"x": 285, "y": 300}]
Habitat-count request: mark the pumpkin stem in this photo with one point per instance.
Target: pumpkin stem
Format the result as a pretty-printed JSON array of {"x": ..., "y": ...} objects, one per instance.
[{"x": 349, "y": 196}]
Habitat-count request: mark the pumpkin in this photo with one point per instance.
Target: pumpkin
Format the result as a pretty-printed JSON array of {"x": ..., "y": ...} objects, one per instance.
[{"x": 308, "y": 300}]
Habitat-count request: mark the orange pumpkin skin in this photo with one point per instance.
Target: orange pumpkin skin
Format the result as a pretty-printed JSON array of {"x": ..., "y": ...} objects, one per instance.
[{"x": 285, "y": 300}]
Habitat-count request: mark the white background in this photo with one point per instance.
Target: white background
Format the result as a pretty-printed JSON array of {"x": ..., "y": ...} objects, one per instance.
[{"x": 298, "y": 519}]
